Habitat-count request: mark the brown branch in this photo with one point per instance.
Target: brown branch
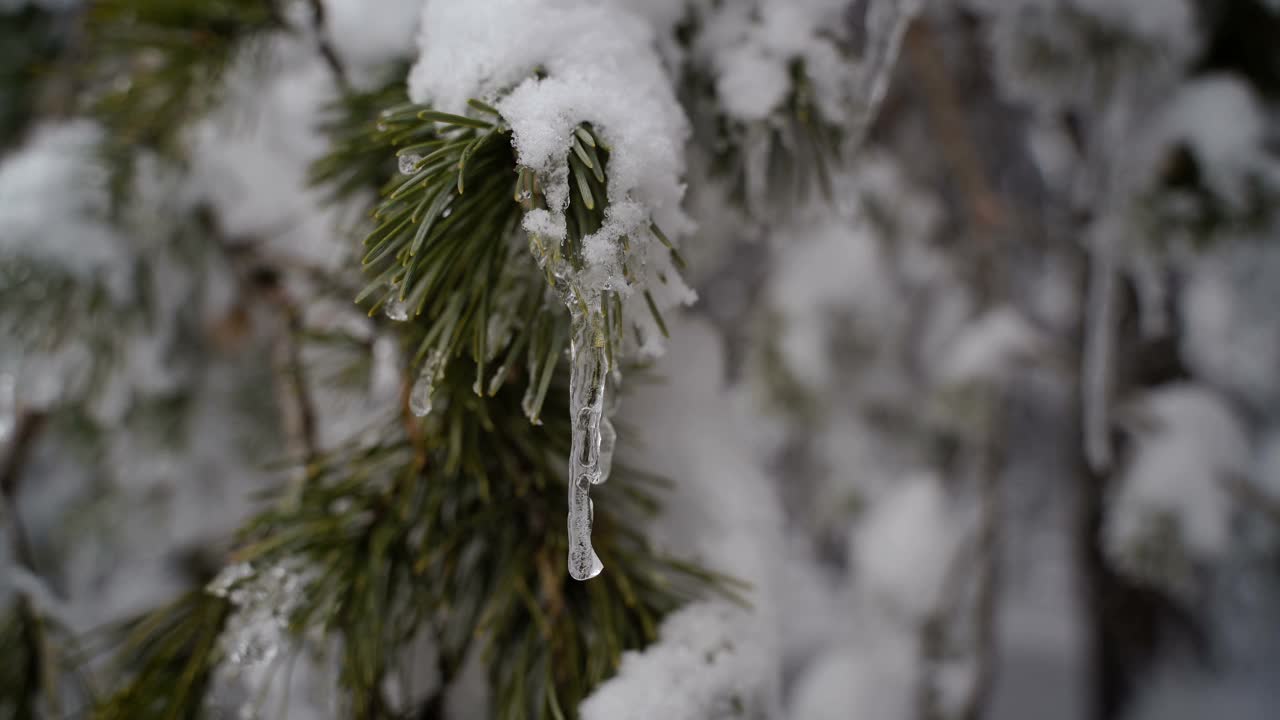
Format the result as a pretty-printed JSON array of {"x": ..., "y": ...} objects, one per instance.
[{"x": 984, "y": 207}]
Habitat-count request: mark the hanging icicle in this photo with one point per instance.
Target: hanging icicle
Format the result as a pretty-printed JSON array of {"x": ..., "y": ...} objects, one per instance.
[{"x": 588, "y": 370}]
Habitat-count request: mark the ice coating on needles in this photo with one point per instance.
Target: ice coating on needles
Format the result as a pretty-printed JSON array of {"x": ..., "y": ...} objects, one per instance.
[
  {"x": 551, "y": 66},
  {"x": 597, "y": 65}
]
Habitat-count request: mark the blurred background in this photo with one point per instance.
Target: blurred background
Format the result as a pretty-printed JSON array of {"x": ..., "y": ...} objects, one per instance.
[{"x": 991, "y": 426}]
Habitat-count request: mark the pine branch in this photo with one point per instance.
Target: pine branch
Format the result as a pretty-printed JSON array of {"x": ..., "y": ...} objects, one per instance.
[
  {"x": 155, "y": 66},
  {"x": 445, "y": 251},
  {"x": 774, "y": 165},
  {"x": 473, "y": 543},
  {"x": 169, "y": 656}
]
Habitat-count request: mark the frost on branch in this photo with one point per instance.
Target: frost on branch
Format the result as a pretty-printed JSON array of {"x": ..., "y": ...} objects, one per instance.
[{"x": 791, "y": 84}]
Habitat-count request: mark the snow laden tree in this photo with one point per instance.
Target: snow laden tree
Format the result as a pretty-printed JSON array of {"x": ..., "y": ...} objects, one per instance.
[
  {"x": 684, "y": 359},
  {"x": 1155, "y": 124},
  {"x": 180, "y": 184}
]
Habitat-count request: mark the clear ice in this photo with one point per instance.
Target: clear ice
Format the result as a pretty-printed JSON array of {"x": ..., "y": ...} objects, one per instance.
[
  {"x": 588, "y": 370},
  {"x": 409, "y": 164},
  {"x": 397, "y": 309},
  {"x": 425, "y": 386}
]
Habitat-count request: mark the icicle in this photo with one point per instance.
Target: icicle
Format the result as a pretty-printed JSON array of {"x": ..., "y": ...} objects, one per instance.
[
  {"x": 409, "y": 164},
  {"x": 425, "y": 386},
  {"x": 881, "y": 25},
  {"x": 589, "y": 367}
]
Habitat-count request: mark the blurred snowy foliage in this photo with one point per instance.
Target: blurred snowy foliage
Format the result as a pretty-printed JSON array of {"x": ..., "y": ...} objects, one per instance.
[{"x": 1046, "y": 225}]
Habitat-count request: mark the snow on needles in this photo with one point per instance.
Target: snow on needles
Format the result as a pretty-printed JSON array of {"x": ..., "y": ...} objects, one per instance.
[
  {"x": 595, "y": 62},
  {"x": 1189, "y": 443},
  {"x": 53, "y": 203}
]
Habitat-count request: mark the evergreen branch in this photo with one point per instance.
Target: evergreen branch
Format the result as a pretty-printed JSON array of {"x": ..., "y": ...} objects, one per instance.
[
  {"x": 169, "y": 656},
  {"x": 444, "y": 250},
  {"x": 774, "y": 165},
  {"x": 157, "y": 65},
  {"x": 473, "y": 543},
  {"x": 358, "y": 159}
]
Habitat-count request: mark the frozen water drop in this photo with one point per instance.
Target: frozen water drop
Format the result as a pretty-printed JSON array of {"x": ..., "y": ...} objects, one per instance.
[
  {"x": 397, "y": 309},
  {"x": 527, "y": 403},
  {"x": 447, "y": 212},
  {"x": 409, "y": 163},
  {"x": 425, "y": 386}
]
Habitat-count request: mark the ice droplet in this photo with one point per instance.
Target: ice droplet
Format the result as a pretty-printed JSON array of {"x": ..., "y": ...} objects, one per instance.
[
  {"x": 447, "y": 212},
  {"x": 397, "y": 309},
  {"x": 264, "y": 600},
  {"x": 425, "y": 386},
  {"x": 527, "y": 404},
  {"x": 409, "y": 164},
  {"x": 589, "y": 367}
]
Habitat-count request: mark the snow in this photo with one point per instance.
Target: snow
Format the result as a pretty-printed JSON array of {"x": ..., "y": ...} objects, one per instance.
[
  {"x": 905, "y": 547},
  {"x": 1225, "y": 126},
  {"x": 989, "y": 348},
  {"x": 828, "y": 266},
  {"x": 1230, "y": 334},
  {"x": 749, "y": 48},
  {"x": 250, "y": 158},
  {"x": 366, "y": 37},
  {"x": 869, "y": 683},
  {"x": 601, "y": 68},
  {"x": 1188, "y": 442},
  {"x": 54, "y": 205},
  {"x": 264, "y": 600}
]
